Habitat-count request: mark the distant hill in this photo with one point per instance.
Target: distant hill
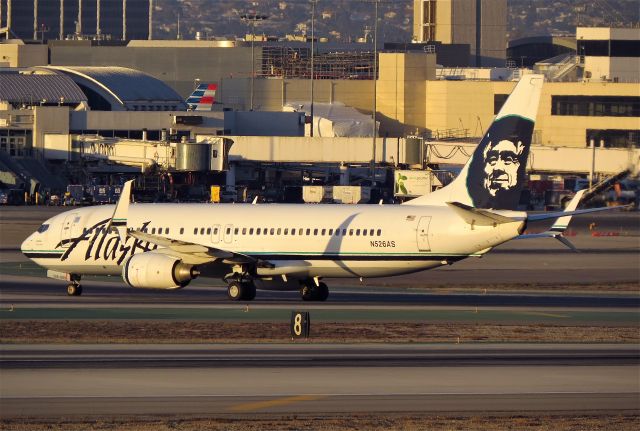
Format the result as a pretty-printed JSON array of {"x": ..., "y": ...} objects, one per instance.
[{"x": 347, "y": 20}]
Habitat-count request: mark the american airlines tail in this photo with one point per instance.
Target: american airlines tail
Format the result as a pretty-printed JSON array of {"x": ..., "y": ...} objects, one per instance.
[
  {"x": 202, "y": 98},
  {"x": 494, "y": 176}
]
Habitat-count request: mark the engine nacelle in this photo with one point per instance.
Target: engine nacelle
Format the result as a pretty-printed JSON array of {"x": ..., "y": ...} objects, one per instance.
[{"x": 157, "y": 271}]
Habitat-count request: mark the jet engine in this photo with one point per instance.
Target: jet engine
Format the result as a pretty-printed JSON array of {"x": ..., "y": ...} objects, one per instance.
[{"x": 157, "y": 271}]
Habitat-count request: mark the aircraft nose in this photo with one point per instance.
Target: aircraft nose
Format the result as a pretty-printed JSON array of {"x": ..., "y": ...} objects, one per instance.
[{"x": 27, "y": 244}]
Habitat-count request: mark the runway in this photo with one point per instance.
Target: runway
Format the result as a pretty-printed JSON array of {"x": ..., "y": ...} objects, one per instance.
[
  {"x": 258, "y": 379},
  {"x": 524, "y": 283}
]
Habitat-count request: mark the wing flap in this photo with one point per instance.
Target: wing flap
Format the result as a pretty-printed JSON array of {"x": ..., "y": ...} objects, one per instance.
[{"x": 195, "y": 253}]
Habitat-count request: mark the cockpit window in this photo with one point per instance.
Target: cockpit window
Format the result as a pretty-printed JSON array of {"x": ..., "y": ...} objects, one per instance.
[{"x": 43, "y": 228}]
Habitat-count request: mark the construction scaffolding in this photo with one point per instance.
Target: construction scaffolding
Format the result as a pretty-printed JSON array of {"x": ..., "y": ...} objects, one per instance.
[{"x": 287, "y": 62}]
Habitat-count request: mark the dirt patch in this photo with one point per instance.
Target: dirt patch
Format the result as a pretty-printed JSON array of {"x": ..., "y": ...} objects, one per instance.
[
  {"x": 105, "y": 331},
  {"x": 331, "y": 423}
]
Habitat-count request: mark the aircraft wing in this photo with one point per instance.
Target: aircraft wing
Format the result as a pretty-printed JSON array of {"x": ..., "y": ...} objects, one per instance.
[{"x": 196, "y": 254}]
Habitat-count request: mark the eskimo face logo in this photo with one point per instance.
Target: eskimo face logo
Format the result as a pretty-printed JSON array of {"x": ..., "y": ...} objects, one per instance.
[
  {"x": 497, "y": 171},
  {"x": 501, "y": 165}
]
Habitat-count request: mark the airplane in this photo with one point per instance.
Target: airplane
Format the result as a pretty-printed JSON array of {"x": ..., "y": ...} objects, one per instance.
[
  {"x": 293, "y": 246},
  {"x": 202, "y": 98}
]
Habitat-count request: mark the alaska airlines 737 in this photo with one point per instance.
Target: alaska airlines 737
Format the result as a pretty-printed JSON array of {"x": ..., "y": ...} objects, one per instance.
[{"x": 293, "y": 247}]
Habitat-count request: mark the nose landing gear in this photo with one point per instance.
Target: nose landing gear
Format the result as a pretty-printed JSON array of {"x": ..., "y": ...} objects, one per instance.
[{"x": 74, "y": 289}]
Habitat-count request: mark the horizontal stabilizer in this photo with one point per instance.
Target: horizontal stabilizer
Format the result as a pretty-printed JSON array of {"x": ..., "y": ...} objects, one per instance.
[
  {"x": 556, "y": 214},
  {"x": 549, "y": 234},
  {"x": 478, "y": 217},
  {"x": 563, "y": 219}
]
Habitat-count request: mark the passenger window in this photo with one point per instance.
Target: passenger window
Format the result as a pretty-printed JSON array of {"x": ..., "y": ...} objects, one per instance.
[
  {"x": 324, "y": 231},
  {"x": 195, "y": 231},
  {"x": 244, "y": 231},
  {"x": 286, "y": 231},
  {"x": 153, "y": 231},
  {"x": 166, "y": 231},
  {"x": 208, "y": 231},
  {"x": 370, "y": 232},
  {"x": 357, "y": 232},
  {"x": 379, "y": 232},
  {"x": 330, "y": 232},
  {"x": 251, "y": 231},
  {"x": 364, "y": 232},
  {"x": 236, "y": 230},
  {"x": 258, "y": 231},
  {"x": 337, "y": 232},
  {"x": 315, "y": 231},
  {"x": 300, "y": 231},
  {"x": 201, "y": 231},
  {"x": 272, "y": 231},
  {"x": 308, "y": 232},
  {"x": 293, "y": 231},
  {"x": 344, "y": 232},
  {"x": 350, "y": 232},
  {"x": 181, "y": 230},
  {"x": 228, "y": 230},
  {"x": 279, "y": 230},
  {"x": 215, "y": 231}
]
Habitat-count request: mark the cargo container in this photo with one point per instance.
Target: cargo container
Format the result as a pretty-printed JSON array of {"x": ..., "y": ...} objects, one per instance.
[
  {"x": 316, "y": 194},
  {"x": 351, "y": 194}
]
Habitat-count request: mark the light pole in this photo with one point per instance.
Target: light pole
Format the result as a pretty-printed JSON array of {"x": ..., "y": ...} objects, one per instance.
[
  {"x": 313, "y": 38},
  {"x": 375, "y": 84},
  {"x": 252, "y": 18}
]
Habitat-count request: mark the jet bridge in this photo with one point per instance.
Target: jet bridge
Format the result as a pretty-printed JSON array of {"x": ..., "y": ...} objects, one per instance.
[
  {"x": 410, "y": 151},
  {"x": 207, "y": 154}
]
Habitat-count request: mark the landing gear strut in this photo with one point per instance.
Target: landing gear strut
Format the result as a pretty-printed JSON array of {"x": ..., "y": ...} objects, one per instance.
[
  {"x": 241, "y": 290},
  {"x": 310, "y": 292},
  {"x": 74, "y": 289}
]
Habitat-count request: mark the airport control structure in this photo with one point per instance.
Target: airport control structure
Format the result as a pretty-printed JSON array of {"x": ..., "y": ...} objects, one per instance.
[{"x": 304, "y": 119}]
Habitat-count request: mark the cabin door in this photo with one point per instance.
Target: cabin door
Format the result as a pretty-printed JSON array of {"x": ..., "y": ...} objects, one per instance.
[{"x": 423, "y": 233}]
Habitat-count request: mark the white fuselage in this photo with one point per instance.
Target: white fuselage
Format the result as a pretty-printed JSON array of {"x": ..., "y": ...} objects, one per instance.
[{"x": 301, "y": 241}]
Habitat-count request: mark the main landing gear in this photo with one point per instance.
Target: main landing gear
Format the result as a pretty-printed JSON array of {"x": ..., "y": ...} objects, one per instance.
[
  {"x": 312, "y": 292},
  {"x": 241, "y": 290},
  {"x": 74, "y": 289}
]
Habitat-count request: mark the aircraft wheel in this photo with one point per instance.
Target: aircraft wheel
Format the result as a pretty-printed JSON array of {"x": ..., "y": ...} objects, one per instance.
[
  {"x": 235, "y": 291},
  {"x": 307, "y": 292},
  {"x": 248, "y": 291},
  {"x": 322, "y": 292},
  {"x": 74, "y": 289}
]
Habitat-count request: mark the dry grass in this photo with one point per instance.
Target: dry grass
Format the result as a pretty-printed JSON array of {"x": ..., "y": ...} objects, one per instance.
[
  {"x": 340, "y": 422},
  {"x": 105, "y": 331}
]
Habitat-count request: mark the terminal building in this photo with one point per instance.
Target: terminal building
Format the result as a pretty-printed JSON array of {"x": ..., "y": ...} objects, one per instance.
[{"x": 590, "y": 99}]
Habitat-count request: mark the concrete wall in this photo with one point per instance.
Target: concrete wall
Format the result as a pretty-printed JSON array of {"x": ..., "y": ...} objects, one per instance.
[
  {"x": 493, "y": 36},
  {"x": 571, "y": 130},
  {"x": 177, "y": 66},
  {"x": 48, "y": 120},
  {"x": 470, "y": 105},
  {"x": 271, "y": 94},
  {"x": 130, "y": 120},
  {"x": 16, "y": 55},
  {"x": 457, "y": 21},
  {"x": 622, "y": 69},
  {"x": 258, "y": 123},
  {"x": 402, "y": 90}
]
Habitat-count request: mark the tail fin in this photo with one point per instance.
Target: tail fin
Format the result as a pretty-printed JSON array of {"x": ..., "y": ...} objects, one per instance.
[
  {"x": 494, "y": 176},
  {"x": 203, "y": 97}
]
